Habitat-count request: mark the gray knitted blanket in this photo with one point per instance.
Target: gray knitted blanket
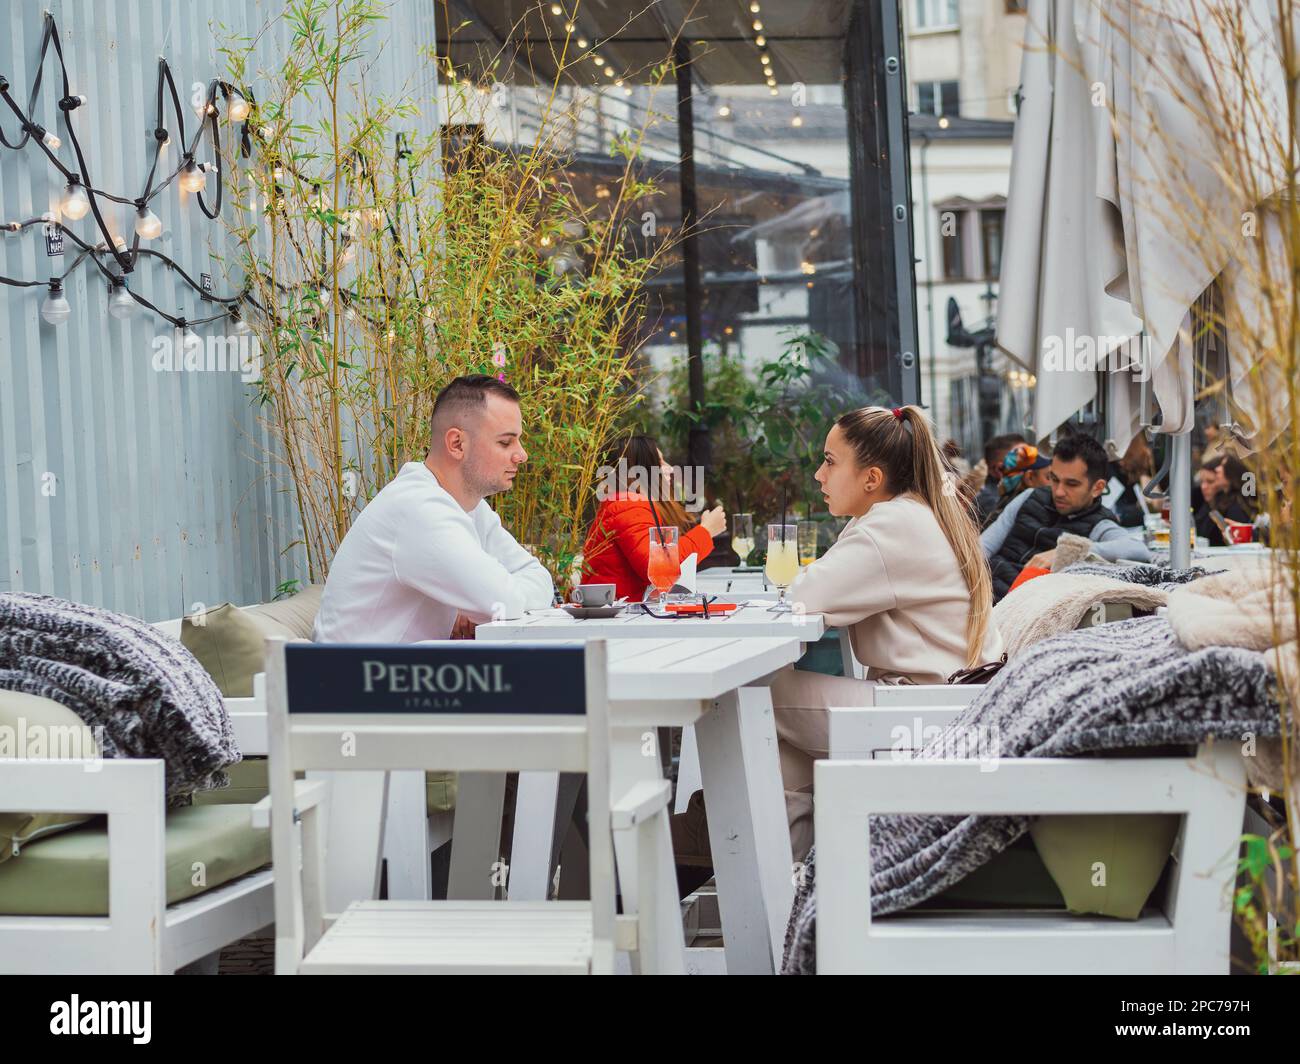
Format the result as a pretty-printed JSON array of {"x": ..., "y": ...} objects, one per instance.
[
  {"x": 1144, "y": 573},
  {"x": 1128, "y": 684},
  {"x": 144, "y": 693}
]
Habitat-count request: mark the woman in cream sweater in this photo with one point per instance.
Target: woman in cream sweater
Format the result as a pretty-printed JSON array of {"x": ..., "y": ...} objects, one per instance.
[{"x": 907, "y": 577}]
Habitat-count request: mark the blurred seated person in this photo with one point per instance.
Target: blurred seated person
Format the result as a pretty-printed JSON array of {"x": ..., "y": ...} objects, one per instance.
[
  {"x": 1225, "y": 483},
  {"x": 1025, "y": 533},
  {"x": 1129, "y": 476},
  {"x": 617, "y": 548},
  {"x": 995, "y": 451},
  {"x": 1024, "y": 468}
]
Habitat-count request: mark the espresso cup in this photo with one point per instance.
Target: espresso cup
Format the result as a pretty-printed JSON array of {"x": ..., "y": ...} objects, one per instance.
[
  {"x": 1239, "y": 533},
  {"x": 593, "y": 594}
]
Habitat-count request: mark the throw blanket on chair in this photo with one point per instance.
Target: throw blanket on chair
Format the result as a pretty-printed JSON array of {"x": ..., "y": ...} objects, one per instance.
[
  {"x": 1128, "y": 684},
  {"x": 149, "y": 694},
  {"x": 1057, "y": 602},
  {"x": 1249, "y": 608}
]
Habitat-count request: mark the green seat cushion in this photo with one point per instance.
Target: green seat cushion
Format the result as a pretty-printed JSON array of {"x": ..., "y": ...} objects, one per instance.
[
  {"x": 248, "y": 785},
  {"x": 1014, "y": 879},
  {"x": 67, "y": 875},
  {"x": 1106, "y": 864},
  {"x": 34, "y": 728},
  {"x": 230, "y": 643}
]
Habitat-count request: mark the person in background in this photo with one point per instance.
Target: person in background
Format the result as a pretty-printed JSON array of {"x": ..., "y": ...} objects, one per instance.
[
  {"x": 1132, "y": 473},
  {"x": 428, "y": 558},
  {"x": 1025, "y": 533},
  {"x": 1024, "y": 468},
  {"x": 1224, "y": 481},
  {"x": 967, "y": 480},
  {"x": 617, "y": 548},
  {"x": 994, "y": 451}
]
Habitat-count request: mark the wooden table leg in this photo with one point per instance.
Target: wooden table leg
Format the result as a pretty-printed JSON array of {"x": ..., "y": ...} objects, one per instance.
[
  {"x": 406, "y": 838},
  {"x": 476, "y": 868},
  {"x": 748, "y": 831},
  {"x": 534, "y": 835},
  {"x": 354, "y": 829}
]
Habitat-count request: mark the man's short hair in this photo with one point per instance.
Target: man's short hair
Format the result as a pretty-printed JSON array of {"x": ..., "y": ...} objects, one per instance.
[
  {"x": 1077, "y": 445},
  {"x": 996, "y": 447},
  {"x": 467, "y": 396}
]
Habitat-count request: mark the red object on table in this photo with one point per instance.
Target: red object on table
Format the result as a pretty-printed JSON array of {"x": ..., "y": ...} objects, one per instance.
[
  {"x": 1240, "y": 533},
  {"x": 698, "y": 607}
]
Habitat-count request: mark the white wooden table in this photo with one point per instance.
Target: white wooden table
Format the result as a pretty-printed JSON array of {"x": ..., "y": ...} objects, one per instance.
[
  {"x": 750, "y": 621},
  {"x": 717, "y": 684}
]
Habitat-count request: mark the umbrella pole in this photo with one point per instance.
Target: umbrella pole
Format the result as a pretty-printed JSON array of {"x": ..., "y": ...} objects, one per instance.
[{"x": 1180, "y": 501}]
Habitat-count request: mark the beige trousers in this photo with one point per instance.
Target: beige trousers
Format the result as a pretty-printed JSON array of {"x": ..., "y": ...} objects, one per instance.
[{"x": 799, "y": 702}]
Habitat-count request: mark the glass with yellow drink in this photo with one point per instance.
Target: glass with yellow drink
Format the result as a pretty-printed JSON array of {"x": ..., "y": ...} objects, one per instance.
[{"x": 782, "y": 559}]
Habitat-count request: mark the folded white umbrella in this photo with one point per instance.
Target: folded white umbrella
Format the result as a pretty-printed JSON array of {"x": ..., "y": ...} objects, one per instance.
[
  {"x": 1121, "y": 209},
  {"x": 1057, "y": 313}
]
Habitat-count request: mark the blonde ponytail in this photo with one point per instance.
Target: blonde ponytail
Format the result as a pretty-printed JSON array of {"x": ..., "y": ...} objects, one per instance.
[{"x": 938, "y": 488}]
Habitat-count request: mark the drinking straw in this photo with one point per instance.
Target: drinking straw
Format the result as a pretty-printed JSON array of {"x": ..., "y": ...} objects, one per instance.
[
  {"x": 657, "y": 525},
  {"x": 783, "y": 491}
]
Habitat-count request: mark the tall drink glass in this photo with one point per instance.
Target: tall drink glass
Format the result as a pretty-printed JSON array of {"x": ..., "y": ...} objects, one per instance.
[
  {"x": 664, "y": 567},
  {"x": 782, "y": 560},
  {"x": 742, "y": 535}
]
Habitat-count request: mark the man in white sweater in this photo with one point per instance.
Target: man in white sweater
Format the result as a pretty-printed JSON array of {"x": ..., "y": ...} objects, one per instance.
[{"x": 428, "y": 556}]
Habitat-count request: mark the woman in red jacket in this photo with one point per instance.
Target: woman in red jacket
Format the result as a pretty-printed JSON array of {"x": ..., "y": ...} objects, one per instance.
[{"x": 617, "y": 550}]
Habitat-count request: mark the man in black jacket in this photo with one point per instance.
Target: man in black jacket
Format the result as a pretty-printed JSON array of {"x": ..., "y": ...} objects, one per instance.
[{"x": 1027, "y": 530}]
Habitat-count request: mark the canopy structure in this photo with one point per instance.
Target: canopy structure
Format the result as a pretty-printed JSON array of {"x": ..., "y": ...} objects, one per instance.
[{"x": 1149, "y": 131}]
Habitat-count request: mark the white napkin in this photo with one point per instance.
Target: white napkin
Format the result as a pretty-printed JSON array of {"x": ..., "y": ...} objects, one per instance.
[{"x": 686, "y": 579}]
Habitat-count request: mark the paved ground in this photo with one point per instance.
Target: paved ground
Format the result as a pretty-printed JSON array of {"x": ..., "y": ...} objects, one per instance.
[{"x": 249, "y": 956}]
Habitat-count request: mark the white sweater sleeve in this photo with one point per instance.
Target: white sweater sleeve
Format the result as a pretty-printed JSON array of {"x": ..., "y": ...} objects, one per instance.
[
  {"x": 500, "y": 580},
  {"x": 848, "y": 582},
  {"x": 531, "y": 576}
]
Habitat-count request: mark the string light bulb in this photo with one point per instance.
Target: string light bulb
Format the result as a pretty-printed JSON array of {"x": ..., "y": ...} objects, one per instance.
[
  {"x": 148, "y": 226},
  {"x": 75, "y": 202},
  {"x": 51, "y": 140},
  {"x": 191, "y": 342},
  {"x": 242, "y": 328},
  {"x": 193, "y": 178},
  {"x": 239, "y": 107},
  {"x": 120, "y": 303},
  {"x": 56, "y": 309}
]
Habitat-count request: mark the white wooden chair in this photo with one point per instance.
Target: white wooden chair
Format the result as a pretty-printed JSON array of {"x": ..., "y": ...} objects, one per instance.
[
  {"x": 141, "y": 934},
  {"x": 538, "y": 707},
  {"x": 406, "y": 844},
  {"x": 1188, "y": 933}
]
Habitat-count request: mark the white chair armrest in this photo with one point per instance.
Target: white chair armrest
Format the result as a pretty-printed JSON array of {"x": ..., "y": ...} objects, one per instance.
[
  {"x": 1013, "y": 785},
  {"x": 640, "y": 803},
  {"x": 864, "y": 732},
  {"x": 307, "y": 794},
  {"x": 930, "y": 694}
]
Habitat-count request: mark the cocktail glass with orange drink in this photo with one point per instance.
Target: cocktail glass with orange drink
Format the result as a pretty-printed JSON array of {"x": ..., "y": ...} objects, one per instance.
[{"x": 664, "y": 567}]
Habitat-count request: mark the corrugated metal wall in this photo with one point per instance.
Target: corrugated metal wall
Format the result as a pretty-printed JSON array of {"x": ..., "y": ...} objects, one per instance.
[{"x": 138, "y": 490}]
